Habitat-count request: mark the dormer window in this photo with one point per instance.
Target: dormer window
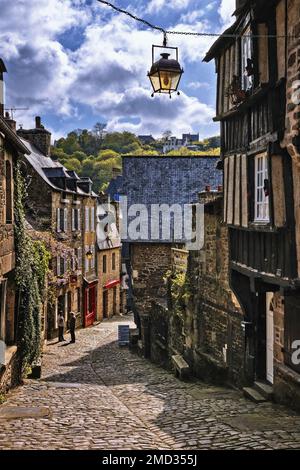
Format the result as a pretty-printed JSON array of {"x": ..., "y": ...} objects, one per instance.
[{"x": 247, "y": 71}]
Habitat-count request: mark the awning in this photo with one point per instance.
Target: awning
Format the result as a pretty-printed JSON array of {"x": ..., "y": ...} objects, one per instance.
[
  {"x": 91, "y": 281},
  {"x": 111, "y": 284}
]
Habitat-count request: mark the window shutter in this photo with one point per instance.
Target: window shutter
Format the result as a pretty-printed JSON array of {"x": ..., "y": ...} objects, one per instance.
[
  {"x": 79, "y": 258},
  {"x": 92, "y": 219},
  {"x": 65, "y": 220},
  {"x": 65, "y": 265},
  {"x": 73, "y": 261},
  {"x": 78, "y": 219},
  {"x": 86, "y": 259},
  {"x": 93, "y": 258},
  {"x": 73, "y": 220},
  {"x": 87, "y": 219},
  {"x": 58, "y": 226}
]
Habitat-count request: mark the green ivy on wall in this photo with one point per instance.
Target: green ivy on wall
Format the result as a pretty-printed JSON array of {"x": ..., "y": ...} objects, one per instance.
[
  {"x": 179, "y": 290},
  {"x": 32, "y": 261}
]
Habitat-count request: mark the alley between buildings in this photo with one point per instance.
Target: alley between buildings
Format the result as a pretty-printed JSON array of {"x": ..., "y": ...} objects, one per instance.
[{"x": 95, "y": 395}]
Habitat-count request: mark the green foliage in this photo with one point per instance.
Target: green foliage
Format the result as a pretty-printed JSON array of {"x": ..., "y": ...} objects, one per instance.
[
  {"x": 94, "y": 154},
  {"x": 32, "y": 261},
  {"x": 73, "y": 164},
  {"x": 186, "y": 152},
  {"x": 179, "y": 290}
]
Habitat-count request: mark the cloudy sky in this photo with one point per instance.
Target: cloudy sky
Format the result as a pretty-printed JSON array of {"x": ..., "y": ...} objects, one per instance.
[{"x": 75, "y": 62}]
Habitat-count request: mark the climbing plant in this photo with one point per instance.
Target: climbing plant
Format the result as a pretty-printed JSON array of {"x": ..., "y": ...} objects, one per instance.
[
  {"x": 179, "y": 289},
  {"x": 32, "y": 261}
]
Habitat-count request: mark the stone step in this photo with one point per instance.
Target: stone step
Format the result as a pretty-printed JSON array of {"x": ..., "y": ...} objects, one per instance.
[
  {"x": 264, "y": 389},
  {"x": 253, "y": 395}
]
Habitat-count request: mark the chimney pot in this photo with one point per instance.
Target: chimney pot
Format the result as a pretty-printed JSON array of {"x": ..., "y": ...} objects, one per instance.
[{"x": 38, "y": 122}]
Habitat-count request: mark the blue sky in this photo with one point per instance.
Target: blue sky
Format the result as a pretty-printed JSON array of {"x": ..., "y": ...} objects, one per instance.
[{"x": 76, "y": 62}]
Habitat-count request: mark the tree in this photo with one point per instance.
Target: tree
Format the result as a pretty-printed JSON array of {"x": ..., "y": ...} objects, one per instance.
[
  {"x": 106, "y": 154},
  {"x": 73, "y": 164},
  {"x": 166, "y": 135},
  {"x": 99, "y": 129}
]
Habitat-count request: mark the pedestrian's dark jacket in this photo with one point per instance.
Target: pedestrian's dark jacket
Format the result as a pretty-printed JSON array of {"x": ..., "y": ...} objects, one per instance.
[{"x": 72, "y": 323}]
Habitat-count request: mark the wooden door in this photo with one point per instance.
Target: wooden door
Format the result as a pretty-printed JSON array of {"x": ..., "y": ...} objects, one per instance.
[{"x": 105, "y": 304}]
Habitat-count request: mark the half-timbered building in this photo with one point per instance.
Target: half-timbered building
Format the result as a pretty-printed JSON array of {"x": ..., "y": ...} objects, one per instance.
[{"x": 255, "y": 69}]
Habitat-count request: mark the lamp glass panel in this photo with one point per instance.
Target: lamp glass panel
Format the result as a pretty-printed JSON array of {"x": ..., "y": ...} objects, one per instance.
[
  {"x": 169, "y": 80},
  {"x": 155, "y": 81},
  {"x": 175, "y": 80}
]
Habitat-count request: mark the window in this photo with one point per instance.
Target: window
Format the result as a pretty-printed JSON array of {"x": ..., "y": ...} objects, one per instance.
[
  {"x": 8, "y": 201},
  {"x": 73, "y": 262},
  {"x": 113, "y": 261},
  {"x": 75, "y": 220},
  {"x": 92, "y": 219},
  {"x": 56, "y": 314},
  {"x": 87, "y": 261},
  {"x": 87, "y": 219},
  {"x": 92, "y": 248},
  {"x": 62, "y": 220},
  {"x": 104, "y": 264},
  {"x": 79, "y": 258},
  {"x": 246, "y": 60},
  {"x": 261, "y": 189},
  {"x": 61, "y": 266}
]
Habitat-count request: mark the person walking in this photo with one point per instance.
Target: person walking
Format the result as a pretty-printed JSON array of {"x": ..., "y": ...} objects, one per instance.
[
  {"x": 72, "y": 327},
  {"x": 61, "y": 326}
]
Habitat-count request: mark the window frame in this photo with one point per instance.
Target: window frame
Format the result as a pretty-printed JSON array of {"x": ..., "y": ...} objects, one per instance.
[
  {"x": 261, "y": 201},
  {"x": 104, "y": 264},
  {"x": 247, "y": 82}
]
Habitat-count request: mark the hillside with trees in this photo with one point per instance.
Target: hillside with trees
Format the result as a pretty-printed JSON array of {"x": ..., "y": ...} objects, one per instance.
[{"x": 95, "y": 153}]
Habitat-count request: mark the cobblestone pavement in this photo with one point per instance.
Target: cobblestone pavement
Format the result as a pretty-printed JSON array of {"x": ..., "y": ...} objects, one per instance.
[{"x": 100, "y": 396}]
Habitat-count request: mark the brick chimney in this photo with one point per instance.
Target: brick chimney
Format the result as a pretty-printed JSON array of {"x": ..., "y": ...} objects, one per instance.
[
  {"x": 2, "y": 71},
  {"x": 39, "y": 137}
]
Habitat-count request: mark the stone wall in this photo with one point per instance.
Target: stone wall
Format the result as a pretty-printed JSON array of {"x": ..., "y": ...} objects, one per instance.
[
  {"x": 10, "y": 374},
  {"x": 287, "y": 381},
  {"x": 150, "y": 262},
  {"x": 216, "y": 346},
  {"x": 292, "y": 134}
]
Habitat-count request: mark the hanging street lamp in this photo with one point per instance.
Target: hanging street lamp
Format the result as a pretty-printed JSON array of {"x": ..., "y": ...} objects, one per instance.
[
  {"x": 89, "y": 255},
  {"x": 165, "y": 74}
]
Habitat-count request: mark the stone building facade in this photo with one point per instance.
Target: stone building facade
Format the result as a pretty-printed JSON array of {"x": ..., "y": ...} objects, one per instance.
[
  {"x": 10, "y": 149},
  {"x": 215, "y": 336},
  {"x": 170, "y": 183},
  {"x": 62, "y": 208},
  {"x": 108, "y": 258}
]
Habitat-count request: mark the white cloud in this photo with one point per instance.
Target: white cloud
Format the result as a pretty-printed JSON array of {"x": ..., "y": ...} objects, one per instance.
[
  {"x": 198, "y": 85},
  {"x": 226, "y": 10},
  {"x": 107, "y": 72},
  {"x": 157, "y": 5}
]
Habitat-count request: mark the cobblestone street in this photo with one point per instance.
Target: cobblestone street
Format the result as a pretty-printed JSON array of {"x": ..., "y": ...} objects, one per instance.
[{"x": 95, "y": 395}]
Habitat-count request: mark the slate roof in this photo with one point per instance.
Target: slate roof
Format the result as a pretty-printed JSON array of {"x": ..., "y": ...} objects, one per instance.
[
  {"x": 168, "y": 180},
  {"x": 115, "y": 188},
  {"x": 49, "y": 169}
]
